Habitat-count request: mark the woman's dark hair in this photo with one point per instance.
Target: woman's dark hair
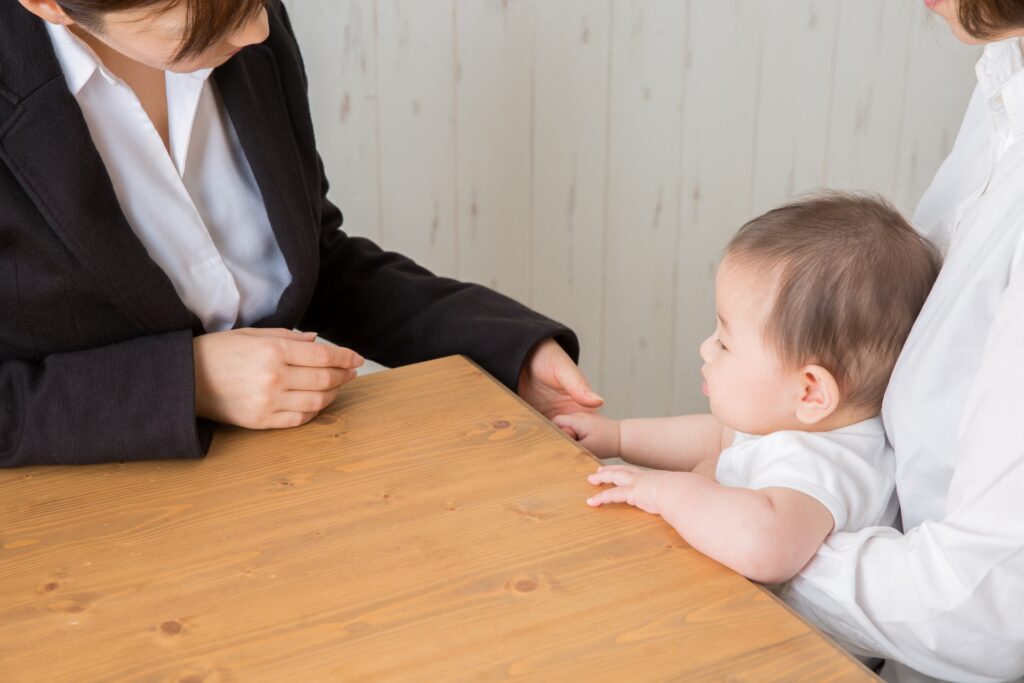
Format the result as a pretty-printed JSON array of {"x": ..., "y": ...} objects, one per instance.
[
  {"x": 207, "y": 20},
  {"x": 986, "y": 19}
]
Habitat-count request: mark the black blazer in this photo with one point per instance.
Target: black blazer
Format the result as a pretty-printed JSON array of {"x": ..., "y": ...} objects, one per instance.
[{"x": 96, "y": 346}]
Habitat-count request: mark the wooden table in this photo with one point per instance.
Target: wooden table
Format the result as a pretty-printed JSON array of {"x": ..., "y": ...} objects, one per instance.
[{"x": 428, "y": 527}]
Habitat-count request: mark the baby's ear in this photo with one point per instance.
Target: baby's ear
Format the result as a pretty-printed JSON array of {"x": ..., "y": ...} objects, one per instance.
[{"x": 819, "y": 394}]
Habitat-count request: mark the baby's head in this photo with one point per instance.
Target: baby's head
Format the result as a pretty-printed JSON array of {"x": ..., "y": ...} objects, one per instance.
[{"x": 815, "y": 300}]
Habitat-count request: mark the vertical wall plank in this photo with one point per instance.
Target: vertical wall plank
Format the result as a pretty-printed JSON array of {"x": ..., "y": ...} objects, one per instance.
[
  {"x": 416, "y": 67},
  {"x": 647, "y": 56},
  {"x": 867, "y": 109},
  {"x": 720, "y": 105},
  {"x": 495, "y": 106},
  {"x": 570, "y": 107},
  {"x": 940, "y": 79},
  {"x": 797, "y": 63},
  {"x": 339, "y": 50}
]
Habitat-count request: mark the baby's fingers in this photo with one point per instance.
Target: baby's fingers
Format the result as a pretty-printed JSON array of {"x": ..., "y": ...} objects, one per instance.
[
  {"x": 620, "y": 475},
  {"x": 571, "y": 424},
  {"x": 618, "y": 494},
  {"x": 570, "y": 431}
]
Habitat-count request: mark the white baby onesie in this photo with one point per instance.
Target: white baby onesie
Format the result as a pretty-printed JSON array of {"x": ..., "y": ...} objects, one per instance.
[{"x": 851, "y": 470}]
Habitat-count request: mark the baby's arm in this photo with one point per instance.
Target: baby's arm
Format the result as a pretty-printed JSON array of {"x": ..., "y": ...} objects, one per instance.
[
  {"x": 670, "y": 443},
  {"x": 767, "y": 535}
]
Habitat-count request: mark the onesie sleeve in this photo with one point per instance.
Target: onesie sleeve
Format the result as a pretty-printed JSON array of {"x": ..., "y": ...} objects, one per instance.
[{"x": 856, "y": 488}]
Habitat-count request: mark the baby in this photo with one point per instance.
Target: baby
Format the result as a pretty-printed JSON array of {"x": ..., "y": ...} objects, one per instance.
[{"x": 814, "y": 302}]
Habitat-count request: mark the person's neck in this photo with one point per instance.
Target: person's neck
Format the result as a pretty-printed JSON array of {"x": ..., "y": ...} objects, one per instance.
[
  {"x": 127, "y": 69},
  {"x": 844, "y": 417},
  {"x": 148, "y": 83}
]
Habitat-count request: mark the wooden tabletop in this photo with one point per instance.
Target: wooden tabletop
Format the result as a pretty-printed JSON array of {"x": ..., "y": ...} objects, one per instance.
[{"x": 428, "y": 527}]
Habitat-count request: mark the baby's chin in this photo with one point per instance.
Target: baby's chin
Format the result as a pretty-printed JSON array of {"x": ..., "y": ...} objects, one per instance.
[{"x": 755, "y": 425}]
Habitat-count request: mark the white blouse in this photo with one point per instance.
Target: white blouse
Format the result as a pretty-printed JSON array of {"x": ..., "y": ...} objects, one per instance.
[
  {"x": 197, "y": 209},
  {"x": 945, "y": 599}
]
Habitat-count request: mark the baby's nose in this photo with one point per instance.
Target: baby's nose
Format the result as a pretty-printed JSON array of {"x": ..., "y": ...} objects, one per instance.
[{"x": 706, "y": 348}]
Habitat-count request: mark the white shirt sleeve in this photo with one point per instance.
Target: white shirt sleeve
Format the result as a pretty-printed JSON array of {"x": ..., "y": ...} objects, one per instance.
[
  {"x": 851, "y": 474},
  {"x": 947, "y": 597}
]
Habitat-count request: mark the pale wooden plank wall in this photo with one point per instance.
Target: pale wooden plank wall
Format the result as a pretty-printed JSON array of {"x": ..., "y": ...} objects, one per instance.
[
  {"x": 416, "y": 130},
  {"x": 592, "y": 157},
  {"x": 570, "y": 167},
  {"x": 643, "y": 227},
  {"x": 719, "y": 144},
  {"x": 340, "y": 49}
]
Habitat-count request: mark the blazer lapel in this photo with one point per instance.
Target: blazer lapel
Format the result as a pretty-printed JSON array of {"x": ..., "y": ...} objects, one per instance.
[
  {"x": 45, "y": 141},
  {"x": 250, "y": 87}
]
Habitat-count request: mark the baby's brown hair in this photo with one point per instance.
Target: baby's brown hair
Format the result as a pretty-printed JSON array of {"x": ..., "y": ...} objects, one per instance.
[{"x": 851, "y": 276}]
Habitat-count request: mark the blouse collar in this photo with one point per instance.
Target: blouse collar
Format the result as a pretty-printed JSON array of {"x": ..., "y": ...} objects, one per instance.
[{"x": 1001, "y": 78}]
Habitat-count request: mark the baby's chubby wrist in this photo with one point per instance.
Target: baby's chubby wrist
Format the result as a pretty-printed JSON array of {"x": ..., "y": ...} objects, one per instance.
[
  {"x": 609, "y": 437},
  {"x": 625, "y": 438},
  {"x": 670, "y": 491}
]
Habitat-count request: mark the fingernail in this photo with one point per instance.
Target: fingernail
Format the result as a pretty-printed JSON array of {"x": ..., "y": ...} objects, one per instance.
[{"x": 359, "y": 359}]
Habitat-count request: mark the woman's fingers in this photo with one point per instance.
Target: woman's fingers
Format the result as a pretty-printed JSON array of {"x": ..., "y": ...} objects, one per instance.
[
  {"x": 286, "y": 419},
  {"x": 306, "y": 401},
  {"x": 279, "y": 332},
  {"x": 316, "y": 379},
  {"x": 313, "y": 355},
  {"x": 575, "y": 384}
]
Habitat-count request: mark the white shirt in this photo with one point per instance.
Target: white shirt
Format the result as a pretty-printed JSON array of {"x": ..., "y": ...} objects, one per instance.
[
  {"x": 197, "y": 210},
  {"x": 946, "y": 598},
  {"x": 848, "y": 470}
]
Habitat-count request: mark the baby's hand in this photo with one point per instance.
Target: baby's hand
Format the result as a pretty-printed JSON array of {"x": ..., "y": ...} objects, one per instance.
[
  {"x": 597, "y": 433},
  {"x": 632, "y": 485}
]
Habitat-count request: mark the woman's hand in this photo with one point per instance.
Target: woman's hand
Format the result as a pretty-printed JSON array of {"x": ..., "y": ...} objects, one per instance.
[
  {"x": 268, "y": 378},
  {"x": 597, "y": 433},
  {"x": 551, "y": 382}
]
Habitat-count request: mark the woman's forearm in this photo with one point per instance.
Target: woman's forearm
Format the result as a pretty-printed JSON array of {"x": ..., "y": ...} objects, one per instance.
[{"x": 670, "y": 443}]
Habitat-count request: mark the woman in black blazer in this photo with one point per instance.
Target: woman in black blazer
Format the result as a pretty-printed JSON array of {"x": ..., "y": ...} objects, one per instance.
[{"x": 100, "y": 359}]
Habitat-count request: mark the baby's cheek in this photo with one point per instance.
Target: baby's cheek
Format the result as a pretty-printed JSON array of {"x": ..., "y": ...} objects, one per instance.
[{"x": 739, "y": 410}]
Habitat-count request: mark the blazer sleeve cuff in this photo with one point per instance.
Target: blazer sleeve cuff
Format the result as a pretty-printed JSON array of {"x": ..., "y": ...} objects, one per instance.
[{"x": 134, "y": 400}]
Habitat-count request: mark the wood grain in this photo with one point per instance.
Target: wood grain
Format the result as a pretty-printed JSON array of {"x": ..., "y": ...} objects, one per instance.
[{"x": 429, "y": 527}]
